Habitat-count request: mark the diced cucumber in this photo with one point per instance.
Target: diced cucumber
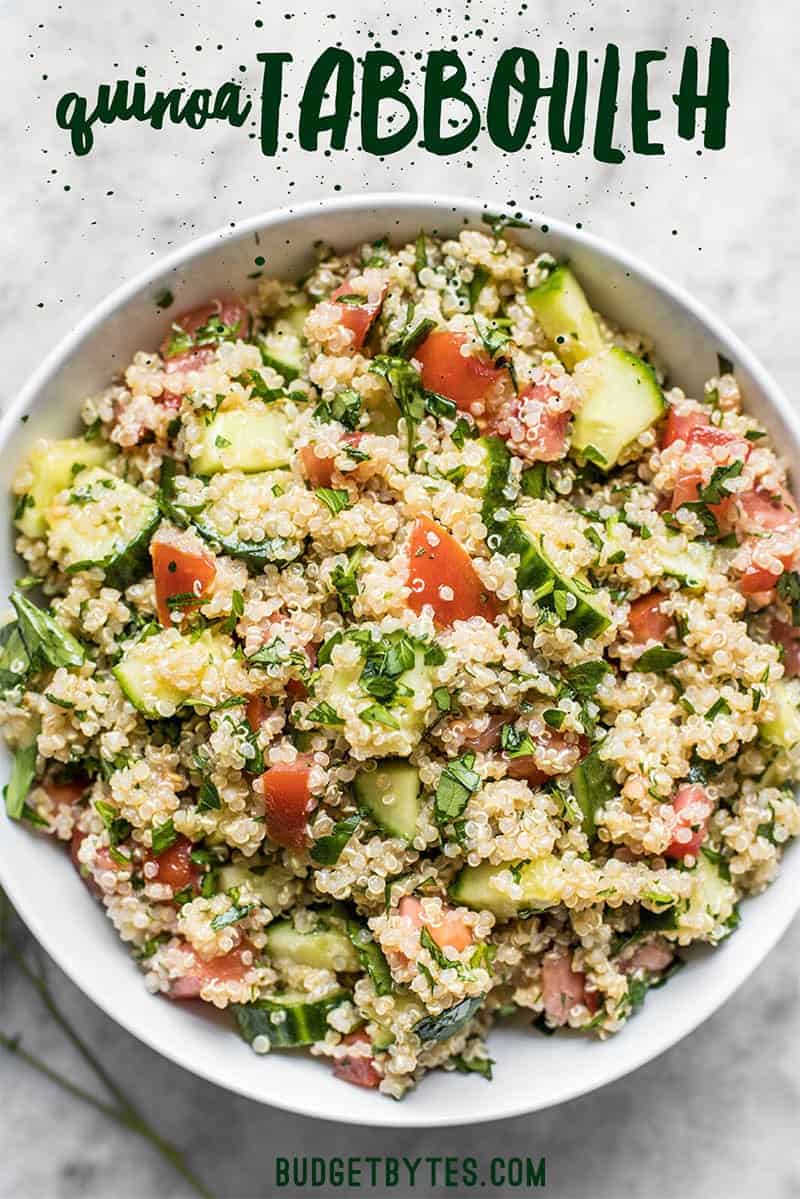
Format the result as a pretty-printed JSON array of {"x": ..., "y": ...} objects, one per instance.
[
  {"x": 267, "y": 882},
  {"x": 621, "y": 398},
  {"x": 247, "y": 439},
  {"x": 783, "y": 728},
  {"x": 382, "y": 1039},
  {"x": 691, "y": 566},
  {"x": 541, "y": 881},
  {"x": 324, "y": 948},
  {"x": 405, "y": 722},
  {"x": 711, "y": 895},
  {"x": 145, "y": 670},
  {"x": 403, "y": 1002},
  {"x": 295, "y": 318},
  {"x": 288, "y": 1019},
  {"x": 498, "y": 483},
  {"x": 564, "y": 313},
  {"x": 282, "y": 349},
  {"x": 537, "y": 573},
  {"x": 391, "y": 795},
  {"x": 100, "y": 520},
  {"x": 592, "y": 785},
  {"x": 54, "y": 465}
]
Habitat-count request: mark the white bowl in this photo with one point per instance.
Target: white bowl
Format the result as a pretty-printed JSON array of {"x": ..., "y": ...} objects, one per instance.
[{"x": 531, "y": 1071}]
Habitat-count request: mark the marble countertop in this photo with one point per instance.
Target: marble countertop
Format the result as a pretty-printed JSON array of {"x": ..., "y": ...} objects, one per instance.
[{"x": 718, "y": 1113}]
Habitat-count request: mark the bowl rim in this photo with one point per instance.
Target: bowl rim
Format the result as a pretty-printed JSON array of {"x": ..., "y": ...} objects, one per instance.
[{"x": 708, "y": 1001}]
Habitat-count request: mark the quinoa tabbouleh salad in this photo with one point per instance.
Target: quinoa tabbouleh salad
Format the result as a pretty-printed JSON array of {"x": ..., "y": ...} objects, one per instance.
[{"x": 395, "y": 654}]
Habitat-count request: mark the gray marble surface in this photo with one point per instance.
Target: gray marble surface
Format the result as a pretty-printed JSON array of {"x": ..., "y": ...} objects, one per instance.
[{"x": 717, "y": 1115}]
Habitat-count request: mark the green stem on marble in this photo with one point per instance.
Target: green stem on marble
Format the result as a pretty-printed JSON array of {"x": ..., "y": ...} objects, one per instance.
[{"x": 126, "y": 1114}]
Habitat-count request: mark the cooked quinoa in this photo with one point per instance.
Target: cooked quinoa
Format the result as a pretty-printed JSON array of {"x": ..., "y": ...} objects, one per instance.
[{"x": 399, "y": 651}]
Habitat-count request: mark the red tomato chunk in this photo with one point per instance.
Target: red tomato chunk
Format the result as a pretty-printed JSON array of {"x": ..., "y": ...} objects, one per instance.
[
  {"x": 692, "y": 810},
  {"x": 180, "y": 572},
  {"x": 464, "y": 379},
  {"x": 440, "y": 573},
  {"x": 288, "y": 802}
]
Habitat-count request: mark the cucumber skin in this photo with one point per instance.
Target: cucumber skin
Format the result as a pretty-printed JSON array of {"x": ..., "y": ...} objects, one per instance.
[
  {"x": 535, "y": 570},
  {"x": 304, "y": 1023},
  {"x": 546, "y": 301}
]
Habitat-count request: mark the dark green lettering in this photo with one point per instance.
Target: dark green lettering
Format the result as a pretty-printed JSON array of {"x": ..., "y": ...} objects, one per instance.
[
  {"x": 716, "y": 101},
  {"x": 604, "y": 148},
  {"x": 332, "y": 64},
  {"x": 641, "y": 115},
  {"x": 71, "y": 116},
  {"x": 438, "y": 89},
  {"x": 271, "y": 88},
  {"x": 375, "y": 88}
]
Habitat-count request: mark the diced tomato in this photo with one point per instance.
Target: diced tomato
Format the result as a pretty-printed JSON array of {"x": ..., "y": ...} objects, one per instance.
[
  {"x": 359, "y": 1069},
  {"x": 526, "y": 767},
  {"x": 358, "y": 318},
  {"x": 288, "y": 802},
  {"x": 562, "y": 987},
  {"x": 480, "y": 741},
  {"x": 319, "y": 471},
  {"x": 175, "y": 866},
  {"x": 653, "y": 957},
  {"x": 189, "y": 360},
  {"x": 646, "y": 620},
  {"x": 452, "y": 931},
  {"x": 764, "y": 511},
  {"x": 103, "y": 859},
  {"x": 440, "y": 573},
  {"x": 789, "y": 637},
  {"x": 463, "y": 379},
  {"x": 680, "y": 427},
  {"x": 687, "y": 491},
  {"x": 532, "y": 429},
  {"x": 755, "y": 580},
  {"x": 228, "y": 967},
  {"x": 66, "y": 793},
  {"x": 170, "y": 400},
  {"x": 712, "y": 437},
  {"x": 692, "y": 809},
  {"x": 688, "y": 483},
  {"x": 181, "y": 572},
  {"x": 256, "y": 712},
  {"x": 231, "y": 312}
]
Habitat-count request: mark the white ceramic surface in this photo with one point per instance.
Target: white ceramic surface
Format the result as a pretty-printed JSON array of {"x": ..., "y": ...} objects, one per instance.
[{"x": 531, "y": 1072}]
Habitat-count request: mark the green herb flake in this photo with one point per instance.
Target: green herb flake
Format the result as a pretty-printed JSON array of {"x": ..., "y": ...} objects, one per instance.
[
  {"x": 164, "y": 837},
  {"x": 457, "y": 783},
  {"x": 336, "y": 500},
  {"x": 323, "y": 713},
  {"x": 658, "y": 659},
  {"x": 16, "y": 790},
  {"x": 327, "y": 850}
]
